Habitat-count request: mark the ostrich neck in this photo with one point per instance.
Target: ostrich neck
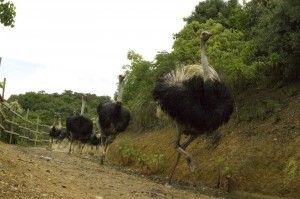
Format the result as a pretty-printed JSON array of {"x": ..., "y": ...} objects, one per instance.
[
  {"x": 119, "y": 99},
  {"x": 54, "y": 121},
  {"x": 82, "y": 106},
  {"x": 59, "y": 122},
  {"x": 204, "y": 61}
]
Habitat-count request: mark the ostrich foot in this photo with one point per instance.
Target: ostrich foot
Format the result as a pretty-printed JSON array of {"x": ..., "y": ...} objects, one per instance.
[
  {"x": 191, "y": 166},
  {"x": 168, "y": 185}
]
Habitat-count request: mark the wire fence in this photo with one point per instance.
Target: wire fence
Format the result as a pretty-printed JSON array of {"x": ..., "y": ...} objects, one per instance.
[{"x": 14, "y": 128}]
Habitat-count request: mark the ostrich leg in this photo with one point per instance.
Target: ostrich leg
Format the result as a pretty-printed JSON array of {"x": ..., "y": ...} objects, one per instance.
[
  {"x": 181, "y": 151},
  {"x": 70, "y": 148}
]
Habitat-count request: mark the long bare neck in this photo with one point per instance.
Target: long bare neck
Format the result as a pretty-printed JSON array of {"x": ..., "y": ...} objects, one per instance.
[
  {"x": 120, "y": 91},
  {"x": 59, "y": 122},
  {"x": 54, "y": 123},
  {"x": 206, "y": 71},
  {"x": 82, "y": 106}
]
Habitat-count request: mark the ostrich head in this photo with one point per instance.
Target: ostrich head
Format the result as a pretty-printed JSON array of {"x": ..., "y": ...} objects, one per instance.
[
  {"x": 205, "y": 35},
  {"x": 121, "y": 78}
]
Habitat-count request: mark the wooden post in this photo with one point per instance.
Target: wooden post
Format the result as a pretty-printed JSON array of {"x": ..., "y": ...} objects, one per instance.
[
  {"x": 3, "y": 89},
  {"x": 11, "y": 129},
  {"x": 26, "y": 125},
  {"x": 37, "y": 129},
  {"x": 1, "y": 120},
  {"x": 27, "y": 114},
  {"x": 2, "y": 99}
]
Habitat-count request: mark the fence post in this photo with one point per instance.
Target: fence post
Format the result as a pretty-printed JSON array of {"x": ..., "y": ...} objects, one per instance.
[
  {"x": 11, "y": 129},
  {"x": 27, "y": 113},
  {"x": 37, "y": 129},
  {"x": 1, "y": 120},
  {"x": 3, "y": 89}
]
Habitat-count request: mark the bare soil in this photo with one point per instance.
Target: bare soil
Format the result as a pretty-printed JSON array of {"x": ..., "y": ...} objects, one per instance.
[{"x": 28, "y": 172}]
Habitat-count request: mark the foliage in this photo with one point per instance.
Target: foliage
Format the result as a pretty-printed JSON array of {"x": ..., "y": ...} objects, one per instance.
[
  {"x": 290, "y": 171},
  {"x": 261, "y": 110},
  {"x": 130, "y": 154},
  {"x": 140, "y": 81},
  {"x": 257, "y": 44},
  {"x": 224, "y": 51},
  {"x": 45, "y": 106},
  {"x": 225, "y": 13},
  {"x": 125, "y": 151},
  {"x": 277, "y": 34},
  {"x": 7, "y": 13}
]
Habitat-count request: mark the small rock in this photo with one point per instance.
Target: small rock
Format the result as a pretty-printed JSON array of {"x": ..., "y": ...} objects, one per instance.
[{"x": 98, "y": 197}]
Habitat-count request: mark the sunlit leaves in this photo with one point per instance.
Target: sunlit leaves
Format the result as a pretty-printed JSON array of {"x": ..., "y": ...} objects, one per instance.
[{"x": 7, "y": 13}]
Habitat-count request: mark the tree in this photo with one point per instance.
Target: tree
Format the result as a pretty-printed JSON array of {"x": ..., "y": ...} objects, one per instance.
[
  {"x": 277, "y": 36},
  {"x": 226, "y": 13},
  {"x": 45, "y": 106},
  {"x": 7, "y": 13}
]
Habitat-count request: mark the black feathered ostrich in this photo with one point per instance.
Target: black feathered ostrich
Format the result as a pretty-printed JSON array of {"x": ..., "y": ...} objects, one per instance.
[
  {"x": 79, "y": 128},
  {"x": 113, "y": 119},
  {"x": 55, "y": 131},
  {"x": 196, "y": 99}
]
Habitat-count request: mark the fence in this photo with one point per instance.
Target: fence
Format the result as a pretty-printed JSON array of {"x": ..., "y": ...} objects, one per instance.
[{"x": 20, "y": 129}]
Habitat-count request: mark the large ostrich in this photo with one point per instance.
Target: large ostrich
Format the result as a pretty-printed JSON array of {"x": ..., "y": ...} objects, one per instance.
[
  {"x": 79, "y": 128},
  {"x": 196, "y": 99},
  {"x": 113, "y": 119}
]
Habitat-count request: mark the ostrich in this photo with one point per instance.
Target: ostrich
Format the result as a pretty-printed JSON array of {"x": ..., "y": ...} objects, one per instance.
[
  {"x": 196, "y": 99},
  {"x": 55, "y": 131},
  {"x": 79, "y": 128},
  {"x": 113, "y": 119}
]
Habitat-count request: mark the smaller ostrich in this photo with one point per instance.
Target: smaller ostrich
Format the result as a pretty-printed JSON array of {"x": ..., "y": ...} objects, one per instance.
[
  {"x": 55, "y": 131},
  {"x": 95, "y": 139},
  {"x": 79, "y": 128},
  {"x": 112, "y": 119}
]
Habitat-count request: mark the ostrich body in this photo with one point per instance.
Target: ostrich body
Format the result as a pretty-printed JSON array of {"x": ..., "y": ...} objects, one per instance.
[
  {"x": 79, "y": 128},
  {"x": 196, "y": 99},
  {"x": 112, "y": 119}
]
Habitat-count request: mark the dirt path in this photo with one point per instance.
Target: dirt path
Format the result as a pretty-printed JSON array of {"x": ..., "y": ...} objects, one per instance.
[{"x": 27, "y": 172}]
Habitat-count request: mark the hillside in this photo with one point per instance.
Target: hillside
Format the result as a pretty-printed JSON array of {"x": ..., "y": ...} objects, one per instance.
[{"x": 259, "y": 154}]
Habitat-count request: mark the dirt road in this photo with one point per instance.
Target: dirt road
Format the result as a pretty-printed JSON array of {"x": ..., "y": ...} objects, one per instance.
[{"x": 27, "y": 172}]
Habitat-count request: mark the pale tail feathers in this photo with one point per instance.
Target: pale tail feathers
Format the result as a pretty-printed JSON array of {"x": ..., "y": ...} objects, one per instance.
[{"x": 186, "y": 72}]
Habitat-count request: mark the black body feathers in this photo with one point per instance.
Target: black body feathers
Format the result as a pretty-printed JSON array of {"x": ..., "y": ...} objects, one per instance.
[
  {"x": 201, "y": 105},
  {"x": 113, "y": 118},
  {"x": 80, "y": 127}
]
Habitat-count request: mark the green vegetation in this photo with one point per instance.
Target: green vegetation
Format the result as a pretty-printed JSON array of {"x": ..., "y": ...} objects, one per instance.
[
  {"x": 45, "y": 106},
  {"x": 129, "y": 155},
  {"x": 261, "y": 110},
  {"x": 248, "y": 50},
  {"x": 7, "y": 13},
  {"x": 289, "y": 171}
]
